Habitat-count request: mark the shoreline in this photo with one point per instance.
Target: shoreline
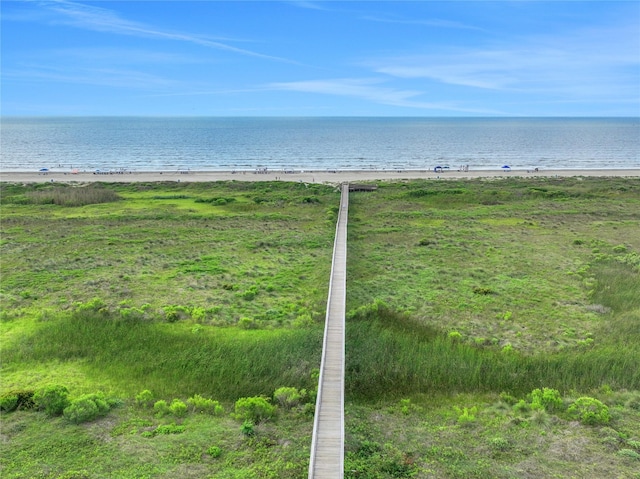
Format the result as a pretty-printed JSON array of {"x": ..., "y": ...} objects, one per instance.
[{"x": 306, "y": 176}]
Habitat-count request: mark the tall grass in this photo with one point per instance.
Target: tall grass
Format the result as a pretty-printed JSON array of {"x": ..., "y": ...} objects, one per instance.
[
  {"x": 391, "y": 355},
  {"x": 73, "y": 196},
  {"x": 173, "y": 359}
]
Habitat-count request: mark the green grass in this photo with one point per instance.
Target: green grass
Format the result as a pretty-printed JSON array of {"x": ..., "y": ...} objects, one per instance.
[
  {"x": 463, "y": 297},
  {"x": 128, "y": 356}
]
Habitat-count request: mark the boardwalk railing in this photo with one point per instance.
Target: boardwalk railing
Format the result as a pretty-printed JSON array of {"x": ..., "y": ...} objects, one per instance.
[{"x": 327, "y": 445}]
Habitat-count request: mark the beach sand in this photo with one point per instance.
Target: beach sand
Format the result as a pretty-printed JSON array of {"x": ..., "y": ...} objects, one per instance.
[{"x": 328, "y": 177}]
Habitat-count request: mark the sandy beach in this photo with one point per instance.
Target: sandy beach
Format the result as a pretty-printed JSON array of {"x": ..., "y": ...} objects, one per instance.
[{"x": 330, "y": 177}]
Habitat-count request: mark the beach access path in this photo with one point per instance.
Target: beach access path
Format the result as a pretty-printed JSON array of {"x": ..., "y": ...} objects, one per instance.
[{"x": 327, "y": 446}]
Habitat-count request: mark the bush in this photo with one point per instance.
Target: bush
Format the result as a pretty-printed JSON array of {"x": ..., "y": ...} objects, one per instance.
[
  {"x": 145, "y": 398},
  {"x": 455, "y": 336},
  {"x": 87, "y": 408},
  {"x": 288, "y": 397},
  {"x": 101, "y": 402},
  {"x": 8, "y": 402},
  {"x": 23, "y": 400},
  {"x": 246, "y": 323},
  {"x": 589, "y": 411},
  {"x": 254, "y": 409},
  {"x": 547, "y": 399},
  {"x": 247, "y": 428},
  {"x": 161, "y": 408},
  {"x": 204, "y": 405},
  {"x": 214, "y": 451},
  {"x": 178, "y": 408},
  {"x": 52, "y": 399},
  {"x": 169, "y": 429},
  {"x": 466, "y": 416},
  {"x": 81, "y": 410}
]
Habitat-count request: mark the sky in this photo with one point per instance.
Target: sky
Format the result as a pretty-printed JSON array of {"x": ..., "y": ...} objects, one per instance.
[{"x": 320, "y": 58}]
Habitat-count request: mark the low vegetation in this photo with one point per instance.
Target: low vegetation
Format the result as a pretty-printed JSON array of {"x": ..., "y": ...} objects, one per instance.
[{"x": 176, "y": 331}]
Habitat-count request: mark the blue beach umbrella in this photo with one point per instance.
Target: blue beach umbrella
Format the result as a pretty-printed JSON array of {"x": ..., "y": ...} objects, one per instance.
[
  {"x": 44, "y": 169},
  {"x": 506, "y": 167}
]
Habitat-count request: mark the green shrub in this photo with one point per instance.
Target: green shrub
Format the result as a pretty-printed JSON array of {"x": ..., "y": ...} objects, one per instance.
[
  {"x": 508, "y": 398},
  {"x": 87, "y": 408},
  {"x": 161, "y": 408},
  {"x": 101, "y": 402},
  {"x": 455, "y": 336},
  {"x": 95, "y": 305},
  {"x": 521, "y": 407},
  {"x": 214, "y": 451},
  {"x": 178, "y": 408},
  {"x": 405, "y": 406},
  {"x": 246, "y": 323},
  {"x": 247, "y": 428},
  {"x": 81, "y": 410},
  {"x": 144, "y": 399},
  {"x": 499, "y": 444},
  {"x": 25, "y": 399},
  {"x": 547, "y": 399},
  {"x": 466, "y": 416},
  {"x": 589, "y": 411},
  {"x": 8, "y": 402},
  {"x": 250, "y": 294},
  {"x": 204, "y": 405},
  {"x": 287, "y": 397},
  {"x": 254, "y": 409},
  {"x": 52, "y": 399},
  {"x": 169, "y": 429},
  {"x": 303, "y": 321}
]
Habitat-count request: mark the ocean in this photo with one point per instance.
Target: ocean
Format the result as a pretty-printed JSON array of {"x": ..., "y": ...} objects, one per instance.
[{"x": 210, "y": 144}]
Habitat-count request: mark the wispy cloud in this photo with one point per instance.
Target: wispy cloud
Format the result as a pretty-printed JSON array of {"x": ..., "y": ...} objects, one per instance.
[
  {"x": 307, "y": 4},
  {"x": 581, "y": 63},
  {"x": 111, "y": 77},
  {"x": 433, "y": 22},
  {"x": 100, "y": 19},
  {"x": 371, "y": 90}
]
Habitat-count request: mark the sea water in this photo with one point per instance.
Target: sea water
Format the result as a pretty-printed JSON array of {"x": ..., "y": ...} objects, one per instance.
[{"x": 209, "y": 144}]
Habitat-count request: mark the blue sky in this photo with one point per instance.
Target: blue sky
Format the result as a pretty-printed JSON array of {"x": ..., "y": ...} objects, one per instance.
[{"x": 308, "y": 58}]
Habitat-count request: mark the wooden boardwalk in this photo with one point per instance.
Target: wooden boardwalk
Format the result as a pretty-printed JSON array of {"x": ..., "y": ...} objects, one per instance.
[{"x": 327, "y": 446}]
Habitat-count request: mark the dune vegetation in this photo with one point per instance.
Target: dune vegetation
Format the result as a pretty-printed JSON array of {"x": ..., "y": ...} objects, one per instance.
[{"x": 175, "y": 329}]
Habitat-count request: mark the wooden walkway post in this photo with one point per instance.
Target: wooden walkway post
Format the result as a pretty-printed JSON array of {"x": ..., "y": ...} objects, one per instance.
[{"x": 327, "y": 445}]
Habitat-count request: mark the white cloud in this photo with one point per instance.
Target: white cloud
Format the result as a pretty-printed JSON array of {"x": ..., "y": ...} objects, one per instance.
[
  {"x": 103, "y": 20},
  {"x": 433, "y": 22},
  {"x": 111, "y": 77},
  {"x": 595, "y": 62},
  {"x": 369, "y": 89}
]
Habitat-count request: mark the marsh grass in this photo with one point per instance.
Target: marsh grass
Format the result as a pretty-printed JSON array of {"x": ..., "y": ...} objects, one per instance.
[
  {"x": 451, "y": 292},
  {"x": 170, "y": 359},
  {"x": 174, "y": 251},
  {"x": 72, "y": 195}
]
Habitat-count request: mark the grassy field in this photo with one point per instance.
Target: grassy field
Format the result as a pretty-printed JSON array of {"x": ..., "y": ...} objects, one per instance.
[{"x": 464, "y": 299}]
